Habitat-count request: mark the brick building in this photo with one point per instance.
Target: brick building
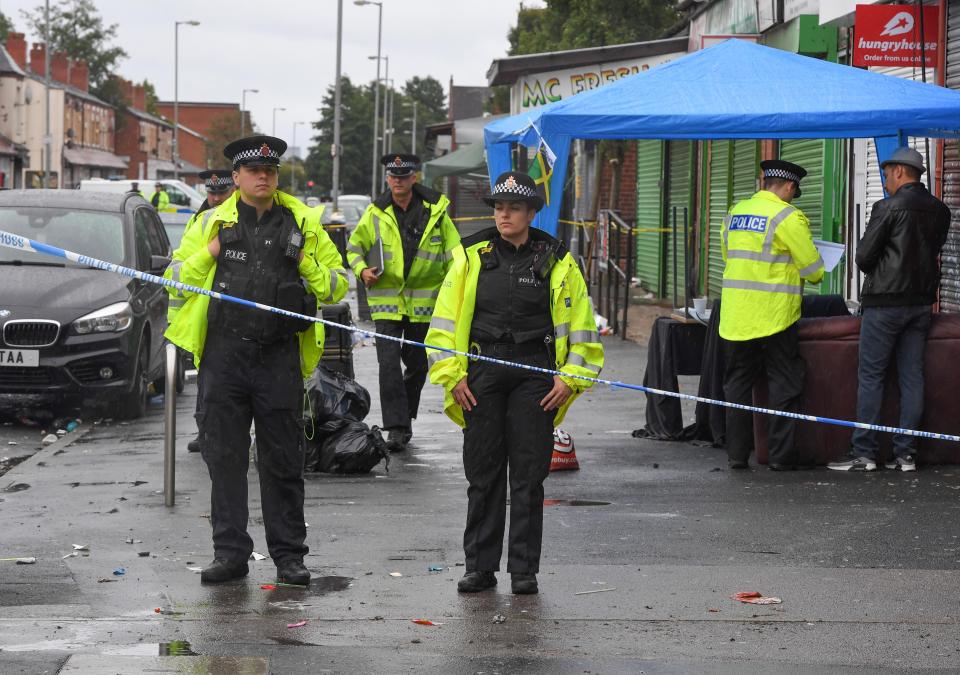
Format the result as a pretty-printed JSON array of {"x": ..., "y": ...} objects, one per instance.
[{"x": 215, "y": 121}]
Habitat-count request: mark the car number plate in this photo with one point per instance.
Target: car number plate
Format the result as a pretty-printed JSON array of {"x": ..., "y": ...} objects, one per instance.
[{"x": 23, "y": 358}]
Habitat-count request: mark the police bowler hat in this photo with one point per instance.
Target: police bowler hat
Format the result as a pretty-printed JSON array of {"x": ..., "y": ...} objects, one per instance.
[{"x": 514, "y": 186}]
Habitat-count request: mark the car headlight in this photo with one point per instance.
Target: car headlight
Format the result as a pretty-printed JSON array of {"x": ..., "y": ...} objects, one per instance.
[{"x": 111, "y": 319}]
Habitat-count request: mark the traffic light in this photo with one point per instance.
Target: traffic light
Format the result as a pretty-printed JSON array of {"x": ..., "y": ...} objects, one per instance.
[{"x": 310, "y": 183}]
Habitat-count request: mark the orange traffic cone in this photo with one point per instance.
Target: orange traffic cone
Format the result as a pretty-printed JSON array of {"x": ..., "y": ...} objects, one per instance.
[{"x": 564, "y": 453}]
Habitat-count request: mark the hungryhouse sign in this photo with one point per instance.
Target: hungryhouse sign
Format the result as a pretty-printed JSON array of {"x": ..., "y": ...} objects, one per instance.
[{"x": 889, "y": 35}]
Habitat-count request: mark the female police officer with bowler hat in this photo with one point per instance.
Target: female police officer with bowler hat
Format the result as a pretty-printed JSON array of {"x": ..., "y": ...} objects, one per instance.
[{"x": 514, "y": 293}]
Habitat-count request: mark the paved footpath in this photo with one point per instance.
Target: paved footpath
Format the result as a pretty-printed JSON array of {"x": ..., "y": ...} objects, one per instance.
[{"x": 866, "y": 565}]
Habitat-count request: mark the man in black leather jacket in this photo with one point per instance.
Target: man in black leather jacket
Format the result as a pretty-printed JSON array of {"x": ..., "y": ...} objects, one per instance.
[{"x": 899, "y": 254}]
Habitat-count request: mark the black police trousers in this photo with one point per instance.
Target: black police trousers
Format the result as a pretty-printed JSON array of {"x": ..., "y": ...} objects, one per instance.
[
  {"x": 400, "y": 389},
  {"x": 776, "y": 355},
  {"x": 506, "y": 429},
  {"x": 245, "y": 381}
]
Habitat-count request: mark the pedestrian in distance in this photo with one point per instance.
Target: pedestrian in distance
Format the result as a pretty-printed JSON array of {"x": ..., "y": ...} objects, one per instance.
[
  {"x": 768, "y": 252},
  {"x": 900, "y": 255},
  {"x": 219, "y": 185},
  {"x": 265, "y": 246},
  {"x": 160, "y": 199},
  {"x": 400, "y": 250},
  {"x": 514, "y": 293}
]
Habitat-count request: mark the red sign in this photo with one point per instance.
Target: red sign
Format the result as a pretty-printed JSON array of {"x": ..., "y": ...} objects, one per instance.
[{"x": 889, "y": 35}]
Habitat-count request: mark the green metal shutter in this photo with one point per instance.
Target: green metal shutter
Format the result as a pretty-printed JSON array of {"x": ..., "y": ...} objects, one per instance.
[
  {"x": 810, "y": 155},
  {"x": 649, "y": 213},
  {"x": 733, "y": 176},
  {"x": 719, "y": 177},
  {"x": 679, "y": 195}
]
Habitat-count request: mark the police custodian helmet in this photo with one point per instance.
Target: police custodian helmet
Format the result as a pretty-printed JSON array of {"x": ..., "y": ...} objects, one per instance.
[{"x": 255, "y": 151}]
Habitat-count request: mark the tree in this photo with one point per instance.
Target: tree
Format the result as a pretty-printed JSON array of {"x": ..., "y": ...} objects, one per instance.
[
  {"x": 223, "y": 129},
  {"x": 151, "y": 95},
  {"x": 356, "y": 132},
  {"x": 6, "y": 25},
  {"x": 77, "y": 29},
  {"x": 575, "y": 24}
]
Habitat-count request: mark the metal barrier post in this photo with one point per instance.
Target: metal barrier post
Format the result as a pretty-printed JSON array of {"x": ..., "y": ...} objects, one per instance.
[{"x": 170, "y": 425}]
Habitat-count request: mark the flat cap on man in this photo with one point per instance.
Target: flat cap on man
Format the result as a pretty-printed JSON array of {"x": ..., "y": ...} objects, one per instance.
[{"x": 907, "y": 157}]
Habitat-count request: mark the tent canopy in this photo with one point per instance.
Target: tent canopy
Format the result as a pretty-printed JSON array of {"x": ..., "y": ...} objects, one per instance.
[
  {"x": 465, "y": 159},
  {"x": 736, "y": 89}
]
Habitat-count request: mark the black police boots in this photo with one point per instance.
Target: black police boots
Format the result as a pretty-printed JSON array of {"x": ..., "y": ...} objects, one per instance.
[
  {"x": 293, "y": 572},
  {"x": 523, "y": 584},
  {"x": 398, "y": 438},
  {"x": 194, "y": 445},
  {"x": 474, "y": 582},
  {"x": 221, "y": 570}
]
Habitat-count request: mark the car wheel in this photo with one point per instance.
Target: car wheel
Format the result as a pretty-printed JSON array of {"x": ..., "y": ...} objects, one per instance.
[{"x": 133, "y": 405}]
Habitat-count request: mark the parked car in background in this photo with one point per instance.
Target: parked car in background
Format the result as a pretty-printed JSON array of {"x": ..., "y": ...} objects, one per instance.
[
  {"x": 182, "y": 196},
  {"x": 73, "y": 332}
]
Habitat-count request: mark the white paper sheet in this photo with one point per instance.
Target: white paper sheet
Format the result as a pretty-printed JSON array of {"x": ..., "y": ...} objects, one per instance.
[{"x": 831, "y": 253}]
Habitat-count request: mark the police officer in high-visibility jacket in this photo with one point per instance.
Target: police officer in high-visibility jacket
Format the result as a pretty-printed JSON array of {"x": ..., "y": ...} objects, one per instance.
[
  {"x": 267, "y": 247},
  {"x": 401, "y": 249},
  {"x": 219, "y": 186},
  {"x": 768, "y": 252},
  {"x": 160, "y": 199},
  {"x": 513, "y": 293}
]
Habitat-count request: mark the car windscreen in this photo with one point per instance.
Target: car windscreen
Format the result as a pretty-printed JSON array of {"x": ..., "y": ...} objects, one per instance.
[{"x": 93, "y": 233}]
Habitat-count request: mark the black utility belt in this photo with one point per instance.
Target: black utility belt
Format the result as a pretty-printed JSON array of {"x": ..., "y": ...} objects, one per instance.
[{"x": 507, "y": 349}]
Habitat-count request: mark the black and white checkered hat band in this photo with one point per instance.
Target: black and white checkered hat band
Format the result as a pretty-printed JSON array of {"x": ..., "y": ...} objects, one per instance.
[
  {"x": 513, "y": 189},
  {"x": 219, "y": 181},
  {"x": 256, "y": 153},
  {"x": 392, "y": 166},
  {"x": 781, "y": 173}
]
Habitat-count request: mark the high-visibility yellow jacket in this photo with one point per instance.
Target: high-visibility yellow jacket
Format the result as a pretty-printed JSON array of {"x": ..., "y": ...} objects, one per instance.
[
  {"x": 321, "y": 268},
  {"x": 163, "y": 203},
  {"x": 393, "y": 296},
  {"x": 177, "y": 298},
  {"x": 767, "y": 248},
  {"x": 578, "y": 347}
]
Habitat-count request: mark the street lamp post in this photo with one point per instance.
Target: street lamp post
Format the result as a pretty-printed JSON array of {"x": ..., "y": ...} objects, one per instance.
[
  {"x": 273, "y": 132},
  {"x": 243, "y": 109},
  {"x": 413, "y": 129},
  {"x": 376, "y": 93},
  {"x": 176, "y": 93},
  {"x": 335, "y": 189},
  {"x": 293, "y": 164}
]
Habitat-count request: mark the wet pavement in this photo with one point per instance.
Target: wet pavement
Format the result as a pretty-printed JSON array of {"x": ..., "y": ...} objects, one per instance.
[{"x": 642, "y": 550}]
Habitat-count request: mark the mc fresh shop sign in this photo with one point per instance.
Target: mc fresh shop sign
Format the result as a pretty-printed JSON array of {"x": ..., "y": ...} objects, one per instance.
[{"x": 890, "y": 35}]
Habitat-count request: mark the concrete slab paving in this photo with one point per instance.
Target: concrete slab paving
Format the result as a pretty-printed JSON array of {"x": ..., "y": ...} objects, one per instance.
[{"x": 867, "y": 565}]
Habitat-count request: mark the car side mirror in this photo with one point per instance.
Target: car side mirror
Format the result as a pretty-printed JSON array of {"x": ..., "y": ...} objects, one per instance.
[{"x": 159, "y": 263}]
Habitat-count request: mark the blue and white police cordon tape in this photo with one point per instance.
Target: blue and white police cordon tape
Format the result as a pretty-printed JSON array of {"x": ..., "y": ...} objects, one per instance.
[{"x": 18, "y": 242}]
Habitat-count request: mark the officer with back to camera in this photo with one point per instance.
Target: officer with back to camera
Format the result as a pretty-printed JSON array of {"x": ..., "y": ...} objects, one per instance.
[{"x": 268, "y": 247}]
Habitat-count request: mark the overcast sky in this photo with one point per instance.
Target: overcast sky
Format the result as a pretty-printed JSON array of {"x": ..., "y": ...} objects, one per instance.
[{"x": 287, "y": 48}]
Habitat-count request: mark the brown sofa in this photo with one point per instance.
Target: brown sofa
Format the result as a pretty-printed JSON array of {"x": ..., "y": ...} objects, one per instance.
[{"x": 829, "y": 347}]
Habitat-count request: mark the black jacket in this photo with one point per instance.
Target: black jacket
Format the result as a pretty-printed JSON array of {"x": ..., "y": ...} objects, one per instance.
[{"x": 900, "y": 250}]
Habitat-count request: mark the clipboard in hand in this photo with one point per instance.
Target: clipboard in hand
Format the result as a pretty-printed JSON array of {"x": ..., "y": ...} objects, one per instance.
[{"x": 374, "y": 257}]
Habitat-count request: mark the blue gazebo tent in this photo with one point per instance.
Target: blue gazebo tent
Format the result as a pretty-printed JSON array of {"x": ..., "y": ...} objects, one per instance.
[{"x": 736, "y": 89}]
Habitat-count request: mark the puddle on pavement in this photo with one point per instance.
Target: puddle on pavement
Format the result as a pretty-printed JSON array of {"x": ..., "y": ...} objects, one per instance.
[
  {"x": 134, "y": 483},
  {"x": 172, "y": 648},
  {"x": 295, "y": 599},
  {"x": 17, "y": 487},
  {"x": 290, "y": 642},
  {"x": 573, "y": 502}
]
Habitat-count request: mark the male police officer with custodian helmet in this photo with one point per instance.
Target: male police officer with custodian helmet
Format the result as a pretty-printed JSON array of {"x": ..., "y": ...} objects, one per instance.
[{"x": 268, "y": 247}]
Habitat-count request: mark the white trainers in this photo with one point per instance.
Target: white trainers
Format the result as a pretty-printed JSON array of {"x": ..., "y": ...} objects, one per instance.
[
  {"x": 905, "y": 463},
  {"x": 854, "y": 464}
]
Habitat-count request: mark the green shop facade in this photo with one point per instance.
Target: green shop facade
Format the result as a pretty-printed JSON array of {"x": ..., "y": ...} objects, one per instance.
[{"x": 705, "y": 178}]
